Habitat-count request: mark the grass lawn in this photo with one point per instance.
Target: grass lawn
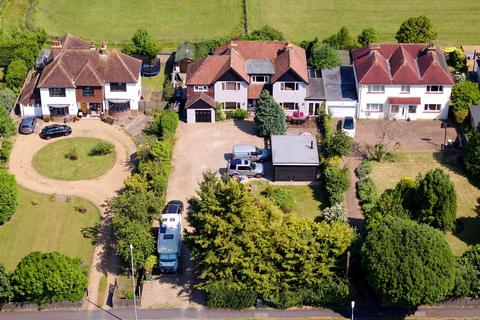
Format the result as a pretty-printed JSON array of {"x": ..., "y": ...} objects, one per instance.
[
  {"x": 305, "y": 19},
  {"x": 309, "y": 199},
  {"x": 51, "y": 162},
  {"x": 112, "y": 20},
  {"x": 47, "y": 226},
  {"x": 13, "y": 13},
  {"x": 386, "y": 175}
]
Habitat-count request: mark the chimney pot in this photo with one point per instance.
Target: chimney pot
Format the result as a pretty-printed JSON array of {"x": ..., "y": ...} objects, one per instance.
[
  {"x": 311, "y": 144},
  {"x": 103, "y": 49},
  {"x": 374, "y": 46}
]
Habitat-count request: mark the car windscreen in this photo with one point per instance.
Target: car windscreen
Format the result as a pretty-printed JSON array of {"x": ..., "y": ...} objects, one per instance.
[
  {"x": 348, "y": 124},
  {"x": 168, "y": 257},
  {"x": 172, "y": 208},
  {"x": 27, "y": 123}
]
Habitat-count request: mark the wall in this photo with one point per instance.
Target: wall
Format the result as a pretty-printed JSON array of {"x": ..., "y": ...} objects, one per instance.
[
  {"x": 69, "y": 99},
  {"x": 291, "y": 96},
  {"x": 97, "y": 95},
  {"x": 191, "y": 115},
  {"x": 394, "y": 91},
  {"x": 29, "y": 110},
  {"x": 133, "y": 94},
  {"x": 230, "y": 95}
]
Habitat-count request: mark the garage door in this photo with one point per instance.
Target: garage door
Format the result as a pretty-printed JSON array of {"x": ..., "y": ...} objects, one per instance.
[
  {"x": 294, "y": 173},
  {"x": 203, "y": 116},
  {"x": 341, "y": 111}
]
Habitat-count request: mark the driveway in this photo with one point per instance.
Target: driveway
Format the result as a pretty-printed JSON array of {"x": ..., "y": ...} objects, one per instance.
[
  {"x": 97, "y": 190},
  {"x": 199, "y": 147}
]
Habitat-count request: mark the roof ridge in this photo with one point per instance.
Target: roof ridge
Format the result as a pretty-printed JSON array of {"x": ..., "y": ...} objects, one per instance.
[
  {"x": 87, "y": 65},
  {"x": 123, "y": 63}
]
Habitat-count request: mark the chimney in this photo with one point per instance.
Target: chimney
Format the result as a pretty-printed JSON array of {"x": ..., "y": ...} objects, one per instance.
[
  {"x": 92, "y": 46},
  {"x": 103, "y": 49},
  {"x": 374, "y": 47},
  {"x": 288, "y": 46},
  {"x": 430, "y": 46},
  {"x": 57, "y": 44},
  {"x": 311, "y": 144}
]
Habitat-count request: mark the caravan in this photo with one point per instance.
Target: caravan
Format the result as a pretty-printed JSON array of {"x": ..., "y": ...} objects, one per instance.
[{"x": 169, "y": 243}]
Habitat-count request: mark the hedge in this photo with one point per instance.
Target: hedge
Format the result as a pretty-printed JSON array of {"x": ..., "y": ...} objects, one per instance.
[{"x": 337, "y": 182}]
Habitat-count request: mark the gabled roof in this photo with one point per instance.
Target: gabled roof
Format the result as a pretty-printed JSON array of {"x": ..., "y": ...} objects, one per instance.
[
  {"x": 292, "y": 58},
  {"x": 200, "y": 96},
  {"x": 400, "y": 64},
  {"x": 87, "y": 77},
  {"x": 207, "y": 70}
]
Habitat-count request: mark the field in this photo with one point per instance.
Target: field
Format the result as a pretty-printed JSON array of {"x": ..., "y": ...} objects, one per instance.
[
  {"x": 42, "y": 223},
  {"x": 306, "y": 19},
  {"x": 386, "y": 175},
  {"x": 112, "y": 20},
  {"x": 52, "y": 160}
]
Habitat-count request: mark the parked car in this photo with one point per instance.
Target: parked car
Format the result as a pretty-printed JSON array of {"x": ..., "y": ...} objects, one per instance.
[
  {"x": 249, "y": 152},
  {"x": 349, "y": 126},
  {"x": 239, "y": 167},
  {"x": 27, "y": 126},
  {"x": 174, "y": 206},
  {"x": 55, "y": 130}
]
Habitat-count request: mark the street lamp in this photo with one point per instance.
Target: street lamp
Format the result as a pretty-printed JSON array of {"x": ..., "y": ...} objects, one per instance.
[
  {"x": 353, "y": 306},
  {"x": 133, "y": 283}
]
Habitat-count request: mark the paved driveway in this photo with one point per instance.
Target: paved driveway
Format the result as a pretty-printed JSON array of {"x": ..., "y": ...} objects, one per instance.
[{"x": 199, "y": 147}]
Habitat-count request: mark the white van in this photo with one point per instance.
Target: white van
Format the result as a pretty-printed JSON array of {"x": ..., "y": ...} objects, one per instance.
[{"x": 249, "y": 152}]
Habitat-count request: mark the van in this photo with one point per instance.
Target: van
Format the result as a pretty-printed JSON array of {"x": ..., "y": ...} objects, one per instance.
[
  {"x": 249, "y": 152},
  {"x": 169, "y": 244}
]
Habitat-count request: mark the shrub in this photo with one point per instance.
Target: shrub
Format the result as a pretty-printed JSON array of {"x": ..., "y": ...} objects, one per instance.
[
  {"x": 335, "y": 213},
  {"x": 337, "y": 182},
  {"x": 265, "y": 33},
  {"x": 220, "y": 115},
  {"x": 5, "y": 151},
  {"x": 380, "y": 153},
  {"x": 8, "y": 196},
  {"x": 407, "y": 263},
  {"x": 240, "y": 114},
  {"x": 471, "y": 271},
  {"x": 7, "y": 99},
  {"x": 368, "y": 195},
  {"x": 339, "y": 145},
  {"x": 164, "y": 125},
  {"x": 464, "y": 94},
  {"x": 416, "y": 30},
  {"x": 364, "y": 169},
  {"x": 168, "y": 90},
  {"x": 283, "y": 299},
  {"x": 49, "y": 277},
  {"x": 72, "y": 154},
  {"x": 142, "y": 43},
  {"x": 221, "y": 294},
  {"x": 6, "y": 290},
  {"x": 341, "y": 40},
  {"x": 102, "y": 149},
  {"x": 471, "y": 154},
  {"x": 367, "y": 36},
  {"x": 282, "y": 198},
  {"x": 138, "y": 234},
  {"x": 16, "y": 72},
  {"x": 332, "y": 293},
  {"x": 467, "y": 279},
  {"x": 324, "y": 56},
  {"x": 326, "y": 125},
  {"x": 7, "y": 127}
]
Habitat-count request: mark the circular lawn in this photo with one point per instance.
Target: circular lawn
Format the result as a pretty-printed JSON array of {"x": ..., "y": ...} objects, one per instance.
[{"x": 75, "y": 159}]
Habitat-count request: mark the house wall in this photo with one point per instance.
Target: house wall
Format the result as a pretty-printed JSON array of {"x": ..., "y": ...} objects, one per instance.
[
  {"x": 394, "y": 91},
  {"x": 291, "y": 96},
  {"x": 69, "y": 99},
  {"x": 30, "y": 110},
  {"x": 133, "y": 93},
  {"x": 97, "y": 95},
  {"x": 190, "y": 91},
  {"x": 191, "y": 114},
  {"x": 240, "y": 96}
]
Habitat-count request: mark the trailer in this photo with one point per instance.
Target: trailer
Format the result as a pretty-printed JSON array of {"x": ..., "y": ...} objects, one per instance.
[{"x": 169, "y": 243}]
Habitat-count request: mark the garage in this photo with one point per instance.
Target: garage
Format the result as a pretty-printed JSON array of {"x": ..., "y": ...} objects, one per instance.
[
  {"x": 294, "y": 158},
  {"x": 341, "y": 111},
  {"x": 203, "y": 116},
  {"x": 340, "y": 92}
]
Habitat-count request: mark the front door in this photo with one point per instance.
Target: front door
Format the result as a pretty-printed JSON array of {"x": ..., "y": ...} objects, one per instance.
[{"x": 404, "y": 112}]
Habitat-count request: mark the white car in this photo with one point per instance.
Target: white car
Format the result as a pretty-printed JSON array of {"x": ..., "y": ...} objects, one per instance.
[{"x": 349, "y": 126}]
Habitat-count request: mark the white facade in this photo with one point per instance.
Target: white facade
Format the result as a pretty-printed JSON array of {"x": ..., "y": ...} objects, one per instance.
[
  {"x": 48, "y": 101},
  {"x": 404, "y": 111},
  {"x": 132, "y": 94},
  {"x": 240, "y": 96},
  {"x": 30, "y": 110},
  {"x": 340, "y": 109},
  {"x": 191, "y": 115},
  {"x": 291, "y": 96}
]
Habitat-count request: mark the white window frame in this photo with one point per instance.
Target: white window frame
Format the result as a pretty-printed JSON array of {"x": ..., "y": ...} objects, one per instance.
[
  {"x": 405, "y": 88},
  {"x": 283, "y": 86},
  {"x": 376, "y": 88},
  {"x": 224, "y": 108},
  {"x": 378, "y": 107},
  {"x": 397, "y": 106},
  {"x": 266, "y": 79},
  {"x": 200, "y": 88},
  {"x": 295, "y": 106},
  {"x": 224, "y": 86},
  {"x": 427, "y": 109},
  {"x": 429, "y": 89}
]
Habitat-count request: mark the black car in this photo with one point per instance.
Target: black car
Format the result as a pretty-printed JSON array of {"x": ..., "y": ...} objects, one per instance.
[
  {"x": 55, "y": 130},
  {"x": 174, "y": 206},
  {"x": 27, "y": 126}
]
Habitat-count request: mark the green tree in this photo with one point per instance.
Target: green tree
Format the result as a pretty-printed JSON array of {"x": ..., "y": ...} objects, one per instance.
[
  {"x": 308, "y": 45},
  {"x": 324, "y": 56},
  {"x": 457, "y": 60},
  {"x": 471, "y": 153},
  {"x": 7, "y": 127},
  {"x": 138, "y": 234},
  {"x": 142, "y": 43},
  {"x": 464, "y": 94},
  {"x": 391, "y": 203},
  {"x": 467, "y": 279},
  {"x": 7, "y": 99},
  {"x": 48, "y": 277},
  {"x": 8, "y": 196},
  {"x": 416, "y": 30},
  {"x": 408, "y": 263},
  {"x": 337, "y": 181},
  {"x": 266, "y": 33},
  {"x": 6, "y": 290},
  {"x": 367, "y": 36},
  {"x": 338, "y": 145},
  {"x": 16, "y": 73},
  {"x": 436, "y": 200},
  {"x": 269, "y": 116},
  {"x": 341, "y": 40},
  {"x": 134, "y": 206}
]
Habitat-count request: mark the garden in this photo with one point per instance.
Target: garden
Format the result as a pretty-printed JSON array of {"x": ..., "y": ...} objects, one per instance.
[{"x": 75, "y": 159}]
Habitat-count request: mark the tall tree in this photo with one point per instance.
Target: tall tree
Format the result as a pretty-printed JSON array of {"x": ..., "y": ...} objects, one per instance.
[
  {"x": 341, "y": 40},
  {"x": 408, "y": 263},
  {"x": 471, "y": 154},
  {"x": 8, "y": 196},
  {"x": 265, "y": 33},
  {"x": 324, "y": 56},
  {"x": 416, "y": 30},
  {"x": 49, "y": 277},
  {"x": 269, "y": 116},
  {"x": 436, "y": 200},
  {"x": 367, "y": 36},
  {"x": 16, "y": 72},
  {"x": 142, "y": 43},
  {"x": 464, "y": 94},
  {"x": 7, "y": 99}
]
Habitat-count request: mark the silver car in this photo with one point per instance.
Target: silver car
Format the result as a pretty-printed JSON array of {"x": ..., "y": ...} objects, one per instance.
[{"x": 239, "y": 167}]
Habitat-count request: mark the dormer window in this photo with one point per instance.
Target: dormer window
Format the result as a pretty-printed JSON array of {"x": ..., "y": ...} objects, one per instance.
[
  {"x": 200, "y": 88},
  {"x": 260, "y": 79},
  {"x": 57, "y": 92}
]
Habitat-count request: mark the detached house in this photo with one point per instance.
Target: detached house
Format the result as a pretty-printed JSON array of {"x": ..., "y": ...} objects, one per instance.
[
  {"x": 76, "y": 78},
  {"x": 235, "y": 75},
  {"x": 402, "y": 81}
]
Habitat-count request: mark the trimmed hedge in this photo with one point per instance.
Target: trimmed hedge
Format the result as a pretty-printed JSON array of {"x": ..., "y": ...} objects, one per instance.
[
  {"x": 222, "y": 295},
  {"x": 326, "y": 125},
  {"x": 337, "y": 182},
  {"x": 8, "y": 196}
]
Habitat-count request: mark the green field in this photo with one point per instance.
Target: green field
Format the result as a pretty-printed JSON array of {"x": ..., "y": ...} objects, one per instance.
[
  {"x": 113, "y": 20},
  {"x": 52, "y": 161},
  {"x": 42, "y": 223},
  {"x": 305, "y": 19},
  {"x": 386, "y": 175}
]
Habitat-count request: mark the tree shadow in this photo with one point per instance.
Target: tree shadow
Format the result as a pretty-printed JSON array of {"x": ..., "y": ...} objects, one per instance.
[
  {"x": 453, "y": 160},
  {"x": 246, "y": 126},
  {"x": 467, "y": 230},
  {"x": 319, "y": 193}
]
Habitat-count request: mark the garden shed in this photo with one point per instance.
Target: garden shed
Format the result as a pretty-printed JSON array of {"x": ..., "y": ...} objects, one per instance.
[{"x": 294, "y": 158}]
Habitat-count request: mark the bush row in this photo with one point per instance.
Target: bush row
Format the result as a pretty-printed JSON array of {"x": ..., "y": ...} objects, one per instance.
[
  {"x": 326, "y": 123},
  {"x": 337, "y": 181},
  {"x": 366, "y": 189},
  {"x": 237, "y": 114}
]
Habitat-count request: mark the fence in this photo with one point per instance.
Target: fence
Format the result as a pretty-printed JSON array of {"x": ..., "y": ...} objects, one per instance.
[
  {"x": 150, "y": 105},
  {"x": 60, "y": 305}
]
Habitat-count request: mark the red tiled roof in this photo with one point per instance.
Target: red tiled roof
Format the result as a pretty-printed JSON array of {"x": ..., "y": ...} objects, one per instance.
[
  {"x": 400, "y": 64},
  {"x": 30, "y": 94},
  {"x": 254, "y": 91},
  {"x": 196, "y": 96},
  {"x": 404, "y": 100},
  {"x": 206, "y": 71},
  {"x": 254, "y": 49},
  {"x": 292, "y": 58}
]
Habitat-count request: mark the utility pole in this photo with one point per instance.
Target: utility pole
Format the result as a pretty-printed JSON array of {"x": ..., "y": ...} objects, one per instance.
[
  {"x": 353, "y": 306},
  {"x": 348, "y": 264},
  {"x": 133, "y": 284}
]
